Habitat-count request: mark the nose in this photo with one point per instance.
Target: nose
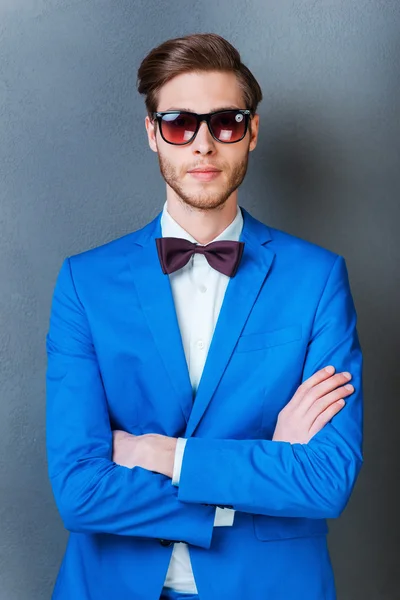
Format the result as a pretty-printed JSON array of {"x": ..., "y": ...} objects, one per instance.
[{"x": 203, "y": 143}]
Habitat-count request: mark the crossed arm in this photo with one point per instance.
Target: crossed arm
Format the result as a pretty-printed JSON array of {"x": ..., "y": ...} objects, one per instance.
[
  {"x": 314, "y": 404},
  {"x": 279, "y": 478},
  {"x": 274, "y": 477}
]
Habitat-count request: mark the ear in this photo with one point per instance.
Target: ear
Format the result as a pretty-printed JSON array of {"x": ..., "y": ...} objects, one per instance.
[
  {"x": 255, "y": 121},
  {"x": 151, "y": 128}
]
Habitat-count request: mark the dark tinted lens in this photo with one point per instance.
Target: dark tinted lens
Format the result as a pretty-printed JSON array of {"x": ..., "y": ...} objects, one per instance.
[
  {"x": 178, "y": 128},
  {"x": 228, "y": 126}
]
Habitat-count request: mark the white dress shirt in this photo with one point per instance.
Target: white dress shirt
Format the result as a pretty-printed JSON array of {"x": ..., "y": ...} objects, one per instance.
[{"x": 198, "y": 291}]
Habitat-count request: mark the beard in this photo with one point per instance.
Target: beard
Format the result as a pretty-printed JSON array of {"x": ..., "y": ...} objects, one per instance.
[{"x": 204, "y": 198}]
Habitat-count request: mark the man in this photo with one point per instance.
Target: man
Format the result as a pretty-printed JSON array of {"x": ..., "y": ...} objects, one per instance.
[{"x": 201, "y": 426}]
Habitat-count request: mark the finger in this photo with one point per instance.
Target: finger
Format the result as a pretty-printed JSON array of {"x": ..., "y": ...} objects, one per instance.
[
  {"x": 326, "y": 416},
  {"x": 321, "y": 404},
  {"x": 308, "y": 384},
  {"x": 334, "y": 382},
  {"x": 338, "y": 381}
]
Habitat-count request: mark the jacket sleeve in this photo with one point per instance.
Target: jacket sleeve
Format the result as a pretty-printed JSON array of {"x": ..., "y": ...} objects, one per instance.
[
  {"x": 313, "y": 480},
  {"x": 93, "y": 494}
]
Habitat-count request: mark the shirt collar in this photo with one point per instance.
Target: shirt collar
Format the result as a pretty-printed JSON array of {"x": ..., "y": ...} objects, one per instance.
[{"x": 170, "y": 228}]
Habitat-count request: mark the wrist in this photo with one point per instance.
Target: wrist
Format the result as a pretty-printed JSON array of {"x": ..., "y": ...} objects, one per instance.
[
  {"x": 171, "y": 458},
  {"x": 163, "y": 456}
]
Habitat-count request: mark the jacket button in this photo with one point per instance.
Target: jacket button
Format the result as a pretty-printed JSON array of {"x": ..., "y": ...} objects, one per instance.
[{"x": 166, "y": 542}]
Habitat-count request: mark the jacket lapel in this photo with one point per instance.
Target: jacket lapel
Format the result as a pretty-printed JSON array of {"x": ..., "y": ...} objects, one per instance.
[
  {"x": 240, "y": 296},
  {"x": 155, "y": 295}
]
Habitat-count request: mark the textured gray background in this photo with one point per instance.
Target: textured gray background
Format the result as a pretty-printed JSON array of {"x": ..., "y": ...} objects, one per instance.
[{"x": 76, "y": 171}]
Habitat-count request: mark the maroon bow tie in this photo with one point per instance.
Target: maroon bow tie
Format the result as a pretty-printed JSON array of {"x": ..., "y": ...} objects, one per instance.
[{"x": 224, "y": 255}]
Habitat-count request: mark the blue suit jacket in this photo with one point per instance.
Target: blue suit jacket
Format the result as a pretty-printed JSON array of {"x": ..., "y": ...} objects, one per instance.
[{"x": 116, "y": 361}]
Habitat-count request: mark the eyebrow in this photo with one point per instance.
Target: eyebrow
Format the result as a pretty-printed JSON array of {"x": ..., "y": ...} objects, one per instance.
[{"x": 212, "y": 110}]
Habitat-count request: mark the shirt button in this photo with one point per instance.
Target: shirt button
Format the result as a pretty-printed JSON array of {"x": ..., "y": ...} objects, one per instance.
[
  {"x": 202, "y": 289},
  {"x": 200, "y": 344}
]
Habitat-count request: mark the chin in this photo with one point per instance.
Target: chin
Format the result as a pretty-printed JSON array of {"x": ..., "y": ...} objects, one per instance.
[{"x": 197, "y": 202}]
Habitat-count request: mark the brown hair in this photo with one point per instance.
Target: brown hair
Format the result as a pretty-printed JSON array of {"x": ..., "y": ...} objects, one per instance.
[{"x": 196, "y": 52}]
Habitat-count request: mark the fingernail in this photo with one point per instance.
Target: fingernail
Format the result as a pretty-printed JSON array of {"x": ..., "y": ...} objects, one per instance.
[
  {"x": 347, "y": 374},
  {"x": 330, "y": 369},
  {"x": 348, "y": 386}
]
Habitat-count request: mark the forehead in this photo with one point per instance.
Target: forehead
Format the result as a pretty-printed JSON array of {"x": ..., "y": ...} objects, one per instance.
[{"x": 201, "y": 92}]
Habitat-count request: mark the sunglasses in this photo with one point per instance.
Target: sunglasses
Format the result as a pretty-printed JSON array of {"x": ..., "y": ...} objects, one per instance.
[{"x": 180, "y": 127}]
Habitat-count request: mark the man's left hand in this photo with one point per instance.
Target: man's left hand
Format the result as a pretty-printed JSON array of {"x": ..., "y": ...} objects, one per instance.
[{"x": 151, "y": 451}]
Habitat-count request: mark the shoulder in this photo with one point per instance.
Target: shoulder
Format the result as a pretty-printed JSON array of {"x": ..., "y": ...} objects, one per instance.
[
  {"x": 288, "y": 248},
  {"x": 287, "y": 242},
  {"x": 309, "y": 260},
  {"x": 108, "y": 256}
]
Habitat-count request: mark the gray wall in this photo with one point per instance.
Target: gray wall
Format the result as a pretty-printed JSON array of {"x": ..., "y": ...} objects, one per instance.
[{"x": 76, "y": 171}]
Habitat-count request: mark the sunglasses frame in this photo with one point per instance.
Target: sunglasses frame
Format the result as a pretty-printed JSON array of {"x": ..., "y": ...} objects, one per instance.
[{"x": 200, "y": 118}]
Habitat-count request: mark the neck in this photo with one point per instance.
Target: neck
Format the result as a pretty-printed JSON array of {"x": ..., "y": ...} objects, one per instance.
[{"x": 203, "y": 224}]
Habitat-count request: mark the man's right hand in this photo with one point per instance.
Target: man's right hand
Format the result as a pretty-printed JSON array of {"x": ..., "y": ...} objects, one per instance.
[{"x": 315, "y": 402}]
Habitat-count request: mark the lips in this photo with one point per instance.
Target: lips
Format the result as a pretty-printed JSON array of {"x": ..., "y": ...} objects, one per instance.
[
  {"x": 205, "y": 175},
  {"x": 205, "y": 170}
]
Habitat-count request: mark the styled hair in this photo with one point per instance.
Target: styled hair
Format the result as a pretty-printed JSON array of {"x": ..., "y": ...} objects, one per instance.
[{"x": 197, "y": 52}]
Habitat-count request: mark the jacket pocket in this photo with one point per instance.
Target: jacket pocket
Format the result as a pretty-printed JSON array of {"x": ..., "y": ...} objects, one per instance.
[
  {"x": 267, "y": 339},
  {"x": 279, "y": 528}
]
